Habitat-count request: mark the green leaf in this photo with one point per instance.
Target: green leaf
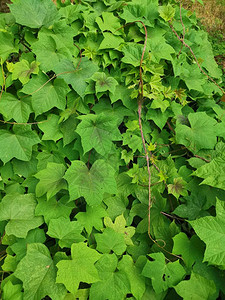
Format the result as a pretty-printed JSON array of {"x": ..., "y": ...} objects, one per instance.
[
  {"x": 110, "y": 41},
  {"x": 159, "y": 47},
  {"x": 34, "y": 13},
  {"x": 39, "y": 278},
  {"x": 18, "y": 144},
  {"x": 167, "y": 12},
  {"x": 51, "y": 128},
  {"x": 49, "y": 52},
  {"x": 10, "y": 263},
  {"x": 65, "y": 231},
  {"x": 145, "y": 11},
  {"x": 91, "y": 184},
  {"x": 53, "y": 209},
  {"x": 197, "y": 288},
  {"x": 200, "y": 135},
  {"x": 132, "y": 140},
  {"x": 76, "y": 73},
  {"x": 80, "y": 269},
  {"x": 124, "y": 94},
  {"x": 19, "y": 210},
  {"x": 117, "y": 111},
  {"x": 98, "y": 132},
  {"x": 51, "y": 180},
  {"x": 132, "y": 54},
  {"x": 91, "y": 218},
  {"x": 46, "y": 96},
  {"x": 13, "y": 108},
  {"x": 104, "y": 83},
  {"x": 24, "y": 168},
  {"x": 7, "y": 45},
  {"x": 116, "y": 205},
  {"x": 110, "y": 240},
  {"x": 36, "y": 235},
  {"x": 12, "y": 292},
  {"x": 137, "y": 281},
  {"x": 189, "y": 73},
  {"x": 191, "y": 250},
  {"x": 109, "y": 22},
  {"x": 158, "y": 116},
  {"x": 211, "y": 231},
  {"x": 113, "y": 284},
  {"x": 192, "y": 208},
  {"x": 213, "y": 173},
  {"x": 163, "y": 275}
]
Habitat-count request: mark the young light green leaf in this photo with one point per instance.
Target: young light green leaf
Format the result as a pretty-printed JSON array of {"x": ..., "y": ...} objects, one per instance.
[
  {"x": 23, "y": 69},
  {"x": 91, "y": 184},
  {"x": 98, "y": 132},
  {"x": 40, "y": 276},
  {"x": 10, "y": 263},
  {"x": 19, "y": 210},
  {"x": 51, "y": 180},
  {"x": 80, "y": 269},
  {"x": 167, "y": 12},
  {"x": 119, "y": 225}
]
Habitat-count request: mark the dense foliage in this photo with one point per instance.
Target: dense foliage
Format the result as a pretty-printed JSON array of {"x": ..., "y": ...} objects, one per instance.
[{"x": 75, "y": 182}]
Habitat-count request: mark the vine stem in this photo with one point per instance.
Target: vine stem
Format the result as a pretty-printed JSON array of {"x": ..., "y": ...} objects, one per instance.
[
  {"x": 184, "y": 30},
  {"x": 140, "y": 103},
  {"x": 195, "y": 58}
]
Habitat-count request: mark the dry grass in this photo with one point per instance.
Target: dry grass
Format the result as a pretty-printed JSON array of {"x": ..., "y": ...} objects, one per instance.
[
  {"x": 212, "y": 17},
  {"x": 212, "y": 14}
]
